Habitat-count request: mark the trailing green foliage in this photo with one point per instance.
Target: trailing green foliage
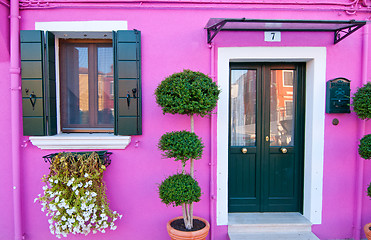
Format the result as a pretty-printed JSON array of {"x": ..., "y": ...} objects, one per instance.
[
  {"x": 364, "y": 148},
  {"x": 188, "y": 93},
  {"x": 181, "y": 145},
  {"x": 369, "y": 190},
  {"x": 362, "y": 102},
  {"x": 178, "y": 189},
  {"x": 74, "y": 195}
]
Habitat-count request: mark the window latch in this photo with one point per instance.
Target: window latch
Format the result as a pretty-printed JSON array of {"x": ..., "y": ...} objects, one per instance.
[
  {"x": 33, "y": 100},
  {"x": 128, "y": 99},
  {"x": 134, "y": 90}
]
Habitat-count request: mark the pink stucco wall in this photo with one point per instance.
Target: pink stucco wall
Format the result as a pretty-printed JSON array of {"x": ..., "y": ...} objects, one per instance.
[{"x": 174, "y": 39}]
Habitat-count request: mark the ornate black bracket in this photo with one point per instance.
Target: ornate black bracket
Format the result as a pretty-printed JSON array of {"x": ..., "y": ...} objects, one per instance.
[
  {"x": 213, "y": 30},
  {"x": 340, "y": 34},
  {"x": 104, "y": 157}
]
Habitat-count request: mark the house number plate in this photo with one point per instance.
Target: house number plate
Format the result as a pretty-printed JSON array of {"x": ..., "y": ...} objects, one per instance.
[{"x": 272, "y": 36}]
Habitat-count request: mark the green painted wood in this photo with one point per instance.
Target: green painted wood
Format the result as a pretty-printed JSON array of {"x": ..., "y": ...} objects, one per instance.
[
  {"x": 32, "y": 62},
  {"x": 278, "y": 183},
  {"x": 50, "y": 80},
  {"x": 244, "y": 181},
  {"x": 127, "y": 81},
  {"x": 38, "y": 83}
]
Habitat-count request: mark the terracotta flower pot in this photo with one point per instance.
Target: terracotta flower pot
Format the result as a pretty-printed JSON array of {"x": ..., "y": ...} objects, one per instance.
[
  {"x": 181, "y": 235},
  {"x": 367, "y": 231}
]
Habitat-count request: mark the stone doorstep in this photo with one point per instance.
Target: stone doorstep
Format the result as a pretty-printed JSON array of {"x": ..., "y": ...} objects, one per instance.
[
  {"x": 264, "y": 226},
  {"x": 273, "y": 236}
]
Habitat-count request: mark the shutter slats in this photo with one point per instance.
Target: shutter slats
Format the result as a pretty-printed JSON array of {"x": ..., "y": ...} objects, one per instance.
[
  {"x": 128, "y": 112},
  {"x": 38, "y": 83},
  {"x": 32, "y": 45}
]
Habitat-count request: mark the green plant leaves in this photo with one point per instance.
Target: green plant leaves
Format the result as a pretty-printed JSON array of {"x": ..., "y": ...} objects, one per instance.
[
  {"x": 364, "y": 148},
  {"x": 178, "y": 189},
  {"x": 362, "y": 102},
  {"x": 181, "y": 145},
  {"x": 187, "y": 92}
]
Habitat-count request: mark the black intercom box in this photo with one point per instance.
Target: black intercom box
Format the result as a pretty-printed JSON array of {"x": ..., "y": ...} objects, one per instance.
[{"x": 338, "y": 95}]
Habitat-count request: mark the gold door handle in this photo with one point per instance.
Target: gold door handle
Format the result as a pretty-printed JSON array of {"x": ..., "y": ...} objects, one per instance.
[
  {"x": 283, "y": 150},
  {"x": 267, "y": 139},
  {"x": 244, "y": 150}
]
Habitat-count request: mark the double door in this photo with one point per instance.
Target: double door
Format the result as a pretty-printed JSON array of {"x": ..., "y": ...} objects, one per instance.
[{"x": 266, "y": 140}]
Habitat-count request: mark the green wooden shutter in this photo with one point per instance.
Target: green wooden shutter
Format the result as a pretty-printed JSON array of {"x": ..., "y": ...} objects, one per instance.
[
  {"x": 51, "y": 104},
  {"x": 127, "y": 77},
  {"x": 35, "y": 84}
]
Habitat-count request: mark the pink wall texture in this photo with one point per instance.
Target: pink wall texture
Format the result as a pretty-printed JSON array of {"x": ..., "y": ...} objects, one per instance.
[{"x": 173, "y": 39}]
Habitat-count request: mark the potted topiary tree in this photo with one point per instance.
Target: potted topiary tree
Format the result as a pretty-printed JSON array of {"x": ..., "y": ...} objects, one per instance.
[
  {"x": 362, "y": 107},
  {"x": 187, "y": 93}
]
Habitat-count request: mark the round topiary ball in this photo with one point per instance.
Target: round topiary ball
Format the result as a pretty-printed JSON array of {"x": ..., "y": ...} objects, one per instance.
[
  {"x": 178, "y": 189},
  {"x": 364, "y": 148},
  {"x": 181, "y": 145},
  {"x": 362, "y": 102},
  {"x": 187, "y": 92}
]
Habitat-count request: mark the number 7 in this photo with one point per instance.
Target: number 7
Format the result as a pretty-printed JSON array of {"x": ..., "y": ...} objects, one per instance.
[{"x": 273, "y": 34}]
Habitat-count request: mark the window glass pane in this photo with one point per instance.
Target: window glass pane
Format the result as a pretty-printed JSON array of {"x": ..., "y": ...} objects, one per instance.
[
  {"x": 282, "y": 105},
  {"x": 105, "y": 85},
  {"x": 243, "y": 107},
  {"x": 77, "y": 85}
]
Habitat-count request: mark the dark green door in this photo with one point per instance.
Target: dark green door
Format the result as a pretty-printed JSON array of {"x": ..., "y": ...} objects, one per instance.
[{"x": 266, "y": 139}]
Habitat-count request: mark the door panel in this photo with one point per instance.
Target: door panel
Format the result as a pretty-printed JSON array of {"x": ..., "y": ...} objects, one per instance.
[
  {"x": 245, "y": 176},
  {"x": 266, "y": 137}
]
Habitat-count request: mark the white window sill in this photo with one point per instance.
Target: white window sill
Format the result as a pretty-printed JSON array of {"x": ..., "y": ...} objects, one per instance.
[{"x": 81, "y": 141}]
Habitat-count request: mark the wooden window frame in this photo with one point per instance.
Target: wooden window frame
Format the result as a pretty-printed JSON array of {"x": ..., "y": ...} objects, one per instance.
[{"x": 92, "y": 126}]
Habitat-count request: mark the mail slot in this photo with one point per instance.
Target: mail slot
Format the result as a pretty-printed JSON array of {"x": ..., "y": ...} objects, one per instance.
[{"x": 338, "y": 96}]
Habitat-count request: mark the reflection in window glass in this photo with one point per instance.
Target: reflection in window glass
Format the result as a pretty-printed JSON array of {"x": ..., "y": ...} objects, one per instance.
[
  {"x": 77, "y": 85},
  {"x": 282, "y": 105},
  {"x": 243, "y": 107},
  {"x": 86, "y": 86},
  {"x": 105, "y": 83}
]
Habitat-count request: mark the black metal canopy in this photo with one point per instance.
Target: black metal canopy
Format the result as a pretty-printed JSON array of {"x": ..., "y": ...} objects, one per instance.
[{"x": 341, "y": 29}]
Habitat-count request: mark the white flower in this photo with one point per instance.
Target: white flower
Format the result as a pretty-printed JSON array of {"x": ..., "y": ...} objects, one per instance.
[
  {"x": 45, "y": 188},
  {"x": 93, "y": 194},
  {"x": 80, "y": 185},
  {"x": 56, "y": 199},
  {"x": 77, "y": 192},
  {"x": 56, "y": 181},
  {"x": 35, "y": 200},
  {"x": 70, "y": 181},
  {"x": 86, "y": 175},
  {"x": 52, "y": 207},
  {"x": 113, "y": 227}
]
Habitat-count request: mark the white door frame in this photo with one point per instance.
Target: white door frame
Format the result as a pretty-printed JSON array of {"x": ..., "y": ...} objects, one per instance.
[{"x": 315, "y": 59}]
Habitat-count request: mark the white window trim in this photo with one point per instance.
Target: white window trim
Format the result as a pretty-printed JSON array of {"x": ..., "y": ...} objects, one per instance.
[
  {"x": 79, "y": 140},
  {"x": 315, "y": 58}
]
